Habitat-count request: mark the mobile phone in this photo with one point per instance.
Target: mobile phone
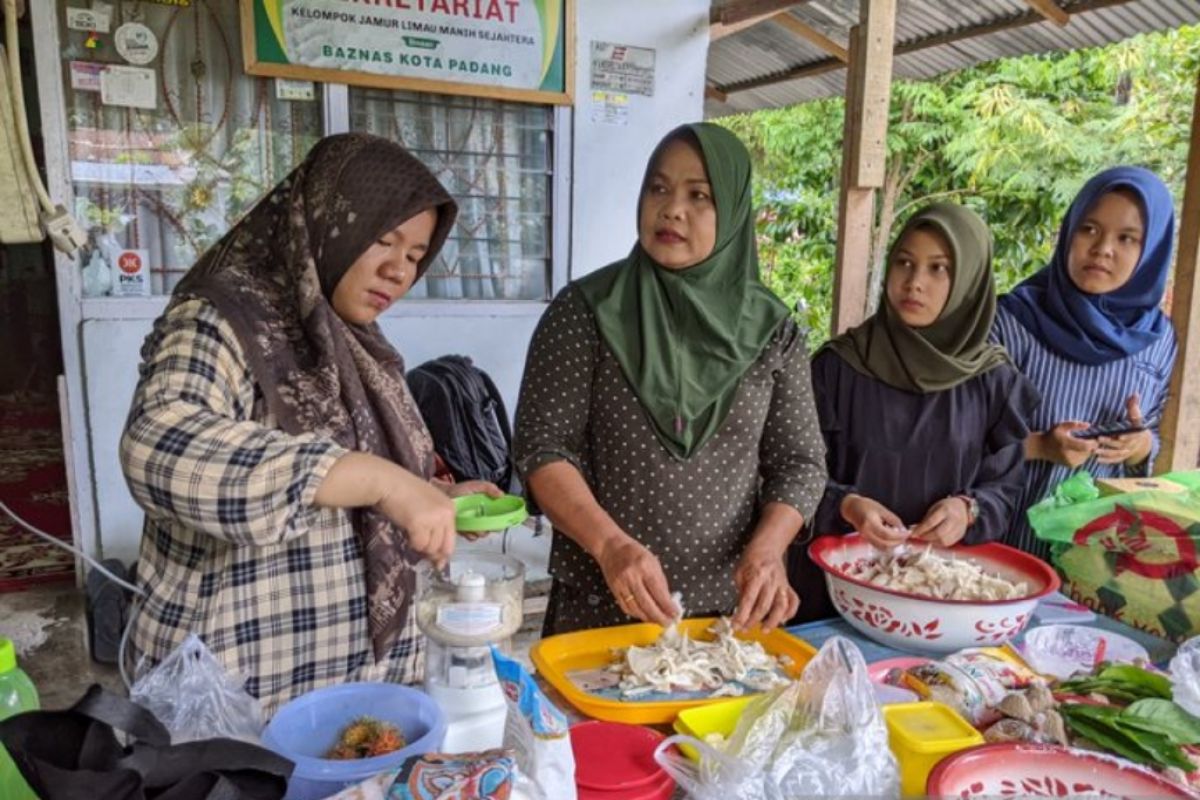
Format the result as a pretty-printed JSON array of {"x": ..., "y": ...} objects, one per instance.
[{"x": 1109, "y": 429}]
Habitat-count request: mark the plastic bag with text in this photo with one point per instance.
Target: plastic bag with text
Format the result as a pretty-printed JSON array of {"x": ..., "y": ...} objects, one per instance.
[
  {"x": 822, "y": 735},
  {"x": 537, "y": 734}
]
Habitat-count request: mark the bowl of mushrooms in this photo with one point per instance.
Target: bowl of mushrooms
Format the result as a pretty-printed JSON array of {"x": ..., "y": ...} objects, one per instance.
[{"x": 932, "y": 600}]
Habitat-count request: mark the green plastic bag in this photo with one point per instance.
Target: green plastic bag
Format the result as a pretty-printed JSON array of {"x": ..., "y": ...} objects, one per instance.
[{"x": 1131, "y": 556}]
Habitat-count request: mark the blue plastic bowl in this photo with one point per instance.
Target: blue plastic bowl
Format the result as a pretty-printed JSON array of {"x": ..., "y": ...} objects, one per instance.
[{"x": 307, "y": 727}]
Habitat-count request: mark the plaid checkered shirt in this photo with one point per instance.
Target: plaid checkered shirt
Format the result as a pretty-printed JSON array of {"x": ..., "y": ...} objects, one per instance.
[{"x": 234, "y": 548}]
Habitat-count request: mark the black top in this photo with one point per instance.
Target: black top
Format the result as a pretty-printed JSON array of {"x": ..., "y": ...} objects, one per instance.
[{"x": 908, "y": 451}]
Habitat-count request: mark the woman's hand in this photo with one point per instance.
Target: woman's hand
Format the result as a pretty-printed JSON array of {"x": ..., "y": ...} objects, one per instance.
[
  {"x": 1131, "y": 449},
  {"x": 765, "y": 597},
  {"x": 875, "y": 521},
  {"x": 453, "y": 490},
  {"x": 1060, "y": 445},
  {"x": 636, "y": 579},
  {"x": 945, "y": 523},
  {"x": 421, "y": 510},
  {"x": 465, "y": 488}
]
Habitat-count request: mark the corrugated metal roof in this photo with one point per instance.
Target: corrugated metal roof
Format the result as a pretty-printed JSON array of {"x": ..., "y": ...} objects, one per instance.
[{"x": 767, "y": 50}]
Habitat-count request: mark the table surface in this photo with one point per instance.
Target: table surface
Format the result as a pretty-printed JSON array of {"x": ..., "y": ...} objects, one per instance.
[{"x": 817, "y": 633}]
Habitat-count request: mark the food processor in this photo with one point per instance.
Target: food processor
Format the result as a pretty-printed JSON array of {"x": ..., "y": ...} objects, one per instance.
[{"x": 472, "y": 603}]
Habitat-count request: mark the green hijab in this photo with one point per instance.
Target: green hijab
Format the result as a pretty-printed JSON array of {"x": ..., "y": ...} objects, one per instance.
[
  {"x": 955, "y": 347},
  {"x": 684, "y": 338}
]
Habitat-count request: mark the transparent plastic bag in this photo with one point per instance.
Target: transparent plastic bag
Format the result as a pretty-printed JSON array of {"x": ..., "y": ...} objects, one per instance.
[
  {"x": 195, "y": 698},
  {"x": 1061, "y": 651},
  {"x": 822, "y": 735},
  {"x": 1185, "y": 675}
]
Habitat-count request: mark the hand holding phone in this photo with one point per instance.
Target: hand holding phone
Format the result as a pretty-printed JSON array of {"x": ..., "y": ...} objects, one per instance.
[
  {"x": 1132, "y": 445},
  {"x": 1109, "y": 429}
]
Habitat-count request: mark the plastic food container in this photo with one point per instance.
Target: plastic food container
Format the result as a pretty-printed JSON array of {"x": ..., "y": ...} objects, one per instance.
[
  {"x": 921, "y": 735},
  {"x": 972, "y": 682},
  {"x": 616, "y": 762},
  {"x": 306, "y": 728},
  {"x": 556, "y": 657},
  {"x": 478, "y": 513},
  {"x": 699, "y": 723}
]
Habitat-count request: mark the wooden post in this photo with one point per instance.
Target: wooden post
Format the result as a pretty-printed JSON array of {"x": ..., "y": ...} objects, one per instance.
[
  {"x": 864, "y": 156},
  {"x": 1180, "y": 429},
  {"x": 874, "y": 93},
  {"x": 856, "y": 210}
]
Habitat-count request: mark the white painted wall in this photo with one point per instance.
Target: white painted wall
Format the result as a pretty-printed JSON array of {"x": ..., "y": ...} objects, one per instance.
[
  {"x": 610, "y": 159},
  {"x": 607, "y": 162}
]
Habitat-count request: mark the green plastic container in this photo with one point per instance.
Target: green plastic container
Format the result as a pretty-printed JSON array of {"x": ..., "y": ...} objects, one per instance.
[
  {"x": 478, "y": 513},
  {"x": 17, "y": 695}
]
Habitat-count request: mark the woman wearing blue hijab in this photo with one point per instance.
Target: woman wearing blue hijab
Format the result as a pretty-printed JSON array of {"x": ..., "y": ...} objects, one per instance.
[{"x": 1087, "y": 330}]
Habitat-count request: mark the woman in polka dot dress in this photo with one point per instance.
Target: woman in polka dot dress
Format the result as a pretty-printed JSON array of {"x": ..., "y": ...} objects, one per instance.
[{"x": 666, "y": 423}]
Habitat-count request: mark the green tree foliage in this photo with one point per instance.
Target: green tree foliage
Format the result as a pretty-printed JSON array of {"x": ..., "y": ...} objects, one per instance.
[{"x": 1014, "y": 139}]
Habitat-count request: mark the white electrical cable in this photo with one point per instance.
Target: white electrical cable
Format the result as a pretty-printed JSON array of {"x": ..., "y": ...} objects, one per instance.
[
  {"x": 18, "y": 101},
  {"x": 139, "y": 594},
  {"x": 134, "y": 609},
  {"x": 60, "y": 543}
]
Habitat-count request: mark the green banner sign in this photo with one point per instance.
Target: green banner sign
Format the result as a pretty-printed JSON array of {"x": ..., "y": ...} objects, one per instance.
[{"x": 509, "y": 49}]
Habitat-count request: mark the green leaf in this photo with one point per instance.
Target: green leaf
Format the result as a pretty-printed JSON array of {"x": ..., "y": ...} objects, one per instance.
[
  {"x": 1154, "y": 684},
  {"x": 1110, "y": 689},
  {"x": 1099, "y": 732},
  {"x": 1164, "y": 717},
  {"x": 1103, "y": 725}
]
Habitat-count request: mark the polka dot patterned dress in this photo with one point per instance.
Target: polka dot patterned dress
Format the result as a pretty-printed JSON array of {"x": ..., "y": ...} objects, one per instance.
[{"x": 695, "y": 515}]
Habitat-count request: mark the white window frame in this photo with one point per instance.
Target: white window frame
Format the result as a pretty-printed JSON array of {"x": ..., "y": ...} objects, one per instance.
[{"x": 335, "y": 118}]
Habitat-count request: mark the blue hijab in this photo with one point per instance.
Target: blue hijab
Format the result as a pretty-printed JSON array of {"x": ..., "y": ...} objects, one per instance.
[{"x": 1099, "y": 328}]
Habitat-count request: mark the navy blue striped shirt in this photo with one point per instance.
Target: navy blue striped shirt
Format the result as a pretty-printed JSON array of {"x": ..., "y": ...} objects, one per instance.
[{"x": 1088, "y": 393}]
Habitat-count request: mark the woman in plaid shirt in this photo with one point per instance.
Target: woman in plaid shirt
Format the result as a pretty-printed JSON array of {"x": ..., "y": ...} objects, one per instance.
[{"x": 283, "y": 467}]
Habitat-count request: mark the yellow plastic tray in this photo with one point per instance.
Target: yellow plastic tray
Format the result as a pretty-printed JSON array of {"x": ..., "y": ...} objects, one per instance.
[{"x": 556, "y": 656}]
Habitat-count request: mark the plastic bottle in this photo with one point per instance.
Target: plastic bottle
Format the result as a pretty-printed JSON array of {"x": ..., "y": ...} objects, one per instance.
[{"x": 17, "y": 695}]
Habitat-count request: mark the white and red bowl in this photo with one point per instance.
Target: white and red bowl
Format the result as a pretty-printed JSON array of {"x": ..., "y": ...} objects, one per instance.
[
  {"x": 1044, "y": 770},
  {"x": 921, "y": 624}
]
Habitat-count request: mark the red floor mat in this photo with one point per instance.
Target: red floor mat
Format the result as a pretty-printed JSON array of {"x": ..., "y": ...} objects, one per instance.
[{"x": 33, "y": 483}]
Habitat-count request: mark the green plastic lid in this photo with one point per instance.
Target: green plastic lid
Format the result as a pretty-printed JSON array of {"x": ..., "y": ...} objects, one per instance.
[
  {"x": 8, "y": 655},
  {"x": 478, "y": 513}
]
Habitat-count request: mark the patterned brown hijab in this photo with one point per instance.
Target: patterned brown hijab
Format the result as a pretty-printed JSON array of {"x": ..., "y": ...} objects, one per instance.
[{"x": 271, "y": 277}]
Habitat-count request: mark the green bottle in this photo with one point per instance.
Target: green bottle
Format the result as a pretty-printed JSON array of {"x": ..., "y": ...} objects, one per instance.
[{"x": 17, "y": 695}]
